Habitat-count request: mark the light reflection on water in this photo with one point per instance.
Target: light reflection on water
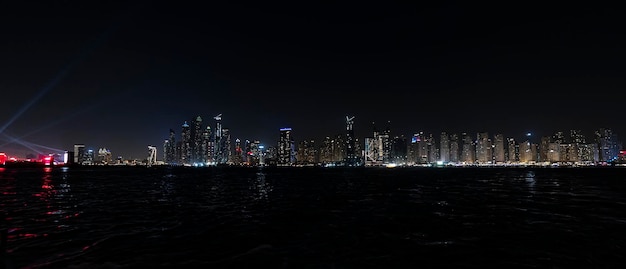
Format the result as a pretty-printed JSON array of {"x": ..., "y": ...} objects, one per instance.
[
  {"x": 260, "y": 188},
  {"x": 220, "y": 218}
]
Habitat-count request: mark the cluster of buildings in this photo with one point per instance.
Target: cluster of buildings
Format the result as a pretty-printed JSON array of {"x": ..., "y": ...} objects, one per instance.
[
  {"x": 200, "y": 145},
  {"x": 84, "y": 156}
]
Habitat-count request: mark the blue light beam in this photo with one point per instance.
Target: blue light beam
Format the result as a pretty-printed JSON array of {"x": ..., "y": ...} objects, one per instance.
[{"x": 53, "y": 83}]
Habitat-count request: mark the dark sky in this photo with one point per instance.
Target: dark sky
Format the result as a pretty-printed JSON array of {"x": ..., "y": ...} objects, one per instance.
[{"x": 121, "y": 74}]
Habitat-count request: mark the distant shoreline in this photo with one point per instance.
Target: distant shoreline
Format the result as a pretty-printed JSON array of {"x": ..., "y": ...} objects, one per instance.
[{"x": 39, "y": 165}]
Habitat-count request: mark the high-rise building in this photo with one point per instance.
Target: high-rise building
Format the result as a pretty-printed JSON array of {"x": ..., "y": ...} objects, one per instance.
[
  {"x": 370, "y": 150},
  {"x": 512, "y": 154},
  {"x": 468, "y": 152},
  {"x": 238, "y": 156},
  {"x": 454, "y": 148},
  {"x": 169, "y": 148},
  {"x": 339, "y": 149},
  {"x": 399, "y": 149},
  {"x": 219, "y": 151},
  {"x": 433, "y": 151},
  {"x": 351, "y": 156},
  {"x": 166, "y": 149},
  {"x": 553, "y": 154},
  {"x": 544, "y": 149},
  {"x": 326, "y": 150},
  {"x": 178, "y": 150},
  {"x": 104, "y": 156},
  {"x": 422, "y": 148},
  {"x": 208, "y": 146},
  {"x": 271, "y": 155},
  {"x": 226, "y": 152},
  {"x": 306, "y": 153},
  {"x": 185, "y": 156},
  {"x": 196, "y": 145},
  {"x": 527, "y": 152},
  {"x": 498, "y": 149},
  {"x": 577, "y": 136},
  {"x": 79, "y": 153},
  {"x": 333, "y": 150},
  {"x": 253, "y": 152},
  {"x": 385, "y": 142},
  {"x": 444, "y": 147},
  {"x": 286, "y": 148},
  {"x": 589, "y": 153},
  {"x": 558, "y": 138},
  {"x": 483, "y": 148},
  {"x": 89, "y": 157},
  {"x": 608, "y": 145}
]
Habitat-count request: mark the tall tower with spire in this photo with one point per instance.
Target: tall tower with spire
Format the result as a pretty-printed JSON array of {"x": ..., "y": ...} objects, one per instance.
[
  {"x": 185, "y": 148},
  {"x": 197, "y": 141},
  {"x": 351, "y": 157}
]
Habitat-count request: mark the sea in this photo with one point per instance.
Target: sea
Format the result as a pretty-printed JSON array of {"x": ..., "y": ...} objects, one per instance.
[{"x": 313, "y": 217}]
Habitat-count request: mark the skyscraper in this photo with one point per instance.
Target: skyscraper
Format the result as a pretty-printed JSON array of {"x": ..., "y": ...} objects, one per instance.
[
  {"x": 444, "y": 147},
  {"x": 608, "y": 145},
  {"x": 238, "y": 157},
  {"x": 483, "y": 148},
  {"x": 79, "y": 153},
  {"x": 468, "y": 151},
  {"x": 207, "y": 146},
  {"x": 498, "y": 148},
  {"x": 196, "y": 145},
  {"x": 169, "y": 148},
  {"x": 513, "y": 148},
  {"x": 351, "y": 157},
  {"x": 286, "y": 148},
  {"x": 399, "y": 149},
  {"x": 306, "y": 153},
  {"x": 185, "y": 156},
  {"x": 225, "y": 149},
  {"x": 454, "y": 148},
  {"x": 166, "y": 148},
  {"x": 222, "y": 142}
]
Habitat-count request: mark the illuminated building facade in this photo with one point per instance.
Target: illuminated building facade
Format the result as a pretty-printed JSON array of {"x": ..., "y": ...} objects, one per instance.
[
  {"x": 196, "y": 144},
  {"x": 483, "y": 148},
  {"x": 286, "y": 148},
  {"x": 104, "y": 156},
  {"x": 468, "y": 152},
  {"x": 79, "y": 153},
  {"x": 306, "y": 153},
  {"x": 185, "y": 156},
  {"x": 527, "y": 152},
  {"x": 208, "y": 146},
  {"x": 512, "y": 154},
  {"x": 444, "y": 147},
  {"x": 219, "y": 149},
  {"x": 499, "y": 151},
  {"x": 238, "y": 156},
  {"x": 351, "y": 153},
  {"x": 252, "y": 152},
  {"x": 608, "y": 145},
  {"x": 225, "y": 147},
  {"x": 169, "y": 148},
  {"x": 399, "y": 150},
  {"x": 454, "y": 148}
]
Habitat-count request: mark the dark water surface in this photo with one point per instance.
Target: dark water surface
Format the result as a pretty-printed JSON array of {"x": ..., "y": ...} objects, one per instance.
[{"x": 139, "y": 217}]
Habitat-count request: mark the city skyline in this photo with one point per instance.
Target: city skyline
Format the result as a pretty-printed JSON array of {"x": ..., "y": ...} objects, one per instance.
[
  {"x": 199, "y": 144},
  {"x": 116, "y": 75}
]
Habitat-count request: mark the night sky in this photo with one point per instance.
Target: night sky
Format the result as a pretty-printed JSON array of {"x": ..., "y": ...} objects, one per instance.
[{"x": 119, "y": 75}]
